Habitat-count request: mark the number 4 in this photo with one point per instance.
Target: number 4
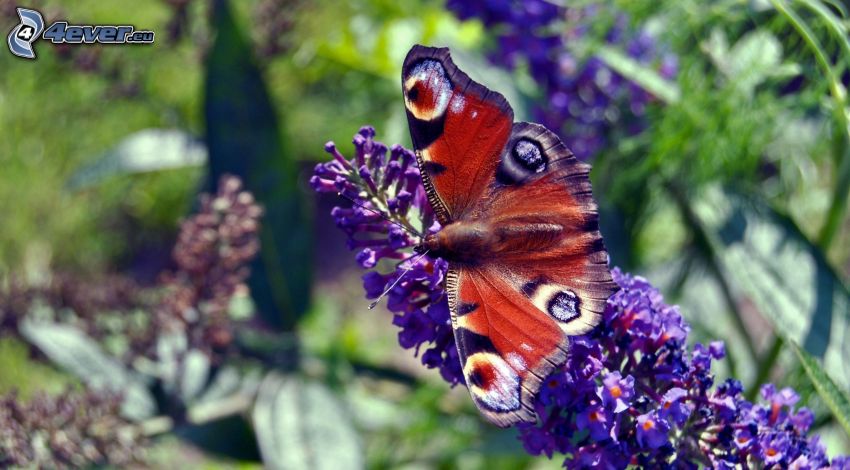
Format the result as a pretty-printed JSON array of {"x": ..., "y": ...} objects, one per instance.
[
  {"x": 56, "y": 32},
  {"x": 26, "y": 33}
]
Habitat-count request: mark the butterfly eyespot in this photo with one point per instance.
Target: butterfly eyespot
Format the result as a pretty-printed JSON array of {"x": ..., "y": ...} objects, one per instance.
[
  {"x": 413, "y": 93},
  {"x": 530, "y": 287},
  {"x": 523, "y": 158},
  {"x": 564, "y": 306},
  {"x": 428, "y": 90},
  {"x": 466, "y": 307},
  {"x": 529, "y": 155},
  {"x": 481, "y": 377},
  {"x": 492, "y": 382}
]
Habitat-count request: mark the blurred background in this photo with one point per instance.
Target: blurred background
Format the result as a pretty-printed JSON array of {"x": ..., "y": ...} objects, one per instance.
[{"x": 718, "y": 132}]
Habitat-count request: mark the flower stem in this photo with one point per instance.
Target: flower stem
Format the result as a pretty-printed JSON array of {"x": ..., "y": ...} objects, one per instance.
[
  {"x": 704, "y": 245},
  {"x": 765, "y": 366},
  {"x": 201, "y": 413}
]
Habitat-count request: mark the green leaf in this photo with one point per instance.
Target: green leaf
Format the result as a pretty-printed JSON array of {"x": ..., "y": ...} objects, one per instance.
[
  {"x": 243, "y": 137},
  {"x": 754, "y": 58},
  {"x": 170, "y": 347},
  {"x": 195, "y": 368},
  {"x": 183, "y": 372},
  {"x": 144, "y": 151},
  {"x": 837, "y": 401},
  {"x": 838, "y": 92},
  {"x": 76, "y": 352},
  {"x": 838, "y": 28},
  {"x": 771, "y": 263},
  {"x": 644, "y": 76},
  {"x": 302, "y": 424}
]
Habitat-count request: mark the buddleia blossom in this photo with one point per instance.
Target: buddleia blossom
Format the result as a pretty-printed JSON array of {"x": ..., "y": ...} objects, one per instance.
[
  {"x": 83, "y": 302},
  {"x": 583, "y": 97},
  {"x": 388, "y": 211},
  {"x": 631, "y": 391},
  {"x": 76, "y": 429},
  {"x": 656, "y": 400},
  {"x": 212, "y": 254},
  {"x": 273, "y": 21}
]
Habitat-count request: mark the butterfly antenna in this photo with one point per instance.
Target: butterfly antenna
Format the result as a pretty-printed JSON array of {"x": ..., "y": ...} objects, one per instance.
[
  {"x": 388, "y": 289},
  {"x": 382, "y": 215}
]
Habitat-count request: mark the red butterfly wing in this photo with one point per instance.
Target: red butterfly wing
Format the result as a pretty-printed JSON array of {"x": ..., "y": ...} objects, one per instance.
[
  {"x": 505, "y": 351},
  {"x": 546, "y": 279},
  {"x": 528, "y": 268},
  {"x": 458, "y": 128}
]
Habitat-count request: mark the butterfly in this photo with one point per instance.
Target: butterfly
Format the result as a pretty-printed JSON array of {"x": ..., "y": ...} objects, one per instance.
[{"x": 527, "y": 265}]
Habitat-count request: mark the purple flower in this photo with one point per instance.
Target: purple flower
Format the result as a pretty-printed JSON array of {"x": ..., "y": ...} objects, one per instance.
[
  {"x": 597, "y": 420},
  {"x": 631, "y": 392},
  {"x": 556, "y": 390},
  {"x": 774, "y": 447},
  {"x": 744, "y": 439},
  {"x": 674, "y": 408},
  {"x": 651, "y": 430},
  {"x": 600, "y": 456},
  {"x": 537, "y": 441},
  {"x": 616, "y": 392},
  {"x": 841, "y": 463},
  {"x": 385, "y": 192},
  {"x": 802, "y": 420},
  {"x": 584, "y": 99}
]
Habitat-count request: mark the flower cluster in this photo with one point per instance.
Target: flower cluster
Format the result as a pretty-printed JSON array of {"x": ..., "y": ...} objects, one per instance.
[
  {"x": 273, "y": 21},
  {"x": 389, "y": 213},
  {"x": 72, "y": 430},
  {"x": 80, "y": 302},
  {"x": 212, "y": 254},
  {"x": 85, "y": 428},
  {"x": 583, "y": 98},
  {"x": 631, "y": 392}
]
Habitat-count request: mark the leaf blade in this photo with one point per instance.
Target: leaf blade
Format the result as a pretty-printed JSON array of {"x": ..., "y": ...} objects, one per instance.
[
  {"x": 142, "y": 152},
  {"x": 301, "y": 424},
  {"x": 243, "y": 135},
  {"x": 644, "y": 76},
  {"x": 74, "y": 351},
  {"x": 785, "y": 275},
  {"x": 836, "y": 400}
]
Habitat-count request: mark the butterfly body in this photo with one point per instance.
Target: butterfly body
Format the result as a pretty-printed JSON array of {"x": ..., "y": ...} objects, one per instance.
[
  {"x": 527, "y": 266},
  {"x": 470, "y": 242}
]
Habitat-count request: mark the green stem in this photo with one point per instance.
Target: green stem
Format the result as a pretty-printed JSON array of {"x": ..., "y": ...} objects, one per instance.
[
  {"x": 703, "y": 243},
  {"x": 202, "y": 413},
  {"x": 839, "y": 96},
  {"x": 835, "y": 87},
  {"x": 380, "y": 201},
  {"x": 838, "y": 205},
  {"x": 765, "y": 367}
]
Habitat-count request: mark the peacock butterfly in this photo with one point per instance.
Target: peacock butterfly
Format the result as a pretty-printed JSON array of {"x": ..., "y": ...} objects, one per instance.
[{"x": 527, "y": 265}]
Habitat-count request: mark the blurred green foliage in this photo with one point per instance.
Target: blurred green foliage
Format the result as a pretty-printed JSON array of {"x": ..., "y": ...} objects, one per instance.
[{"x": 759, "y": 105}]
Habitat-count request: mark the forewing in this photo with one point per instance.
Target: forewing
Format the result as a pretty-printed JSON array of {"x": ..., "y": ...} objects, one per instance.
[{"x": 458, "y": 128}]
